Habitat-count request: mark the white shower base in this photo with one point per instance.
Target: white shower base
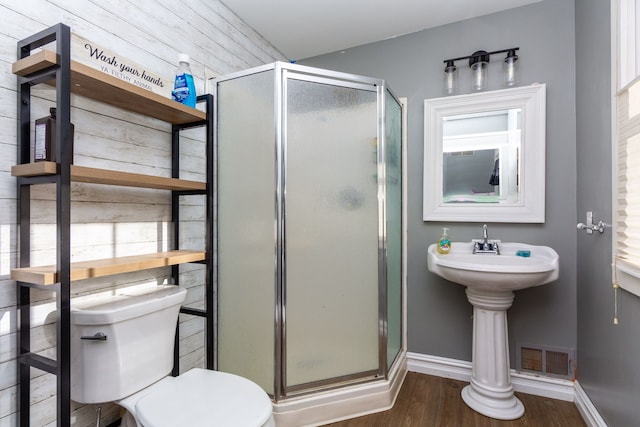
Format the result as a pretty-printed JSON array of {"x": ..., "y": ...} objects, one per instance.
[{"x": 344, "y": 403}]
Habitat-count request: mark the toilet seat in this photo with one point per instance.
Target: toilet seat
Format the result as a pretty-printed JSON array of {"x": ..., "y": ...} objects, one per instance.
[{"x": 202, "y": 398}]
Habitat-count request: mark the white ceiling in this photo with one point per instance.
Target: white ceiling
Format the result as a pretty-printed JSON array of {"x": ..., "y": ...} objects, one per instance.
[{"x": 304, "y": 28}]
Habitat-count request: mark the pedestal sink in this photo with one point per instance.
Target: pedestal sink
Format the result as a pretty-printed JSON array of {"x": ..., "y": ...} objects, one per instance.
[{"x": 490, "y": 280}]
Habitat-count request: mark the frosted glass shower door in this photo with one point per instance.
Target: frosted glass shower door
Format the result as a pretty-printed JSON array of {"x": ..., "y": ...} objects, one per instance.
[
  {"x": 393, "y": 208},
  {"x": 245, "y": 225},
  {"x": 332, "y": 233}
]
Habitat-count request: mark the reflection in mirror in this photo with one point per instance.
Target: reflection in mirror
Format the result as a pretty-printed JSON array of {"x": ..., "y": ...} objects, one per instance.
[
  {"x": 480, "y": 157},
  {"x": 484, "y": 156}
]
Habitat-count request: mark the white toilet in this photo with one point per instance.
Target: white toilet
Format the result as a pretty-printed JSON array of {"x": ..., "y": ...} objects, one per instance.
[{"x": 122, "y": 352}]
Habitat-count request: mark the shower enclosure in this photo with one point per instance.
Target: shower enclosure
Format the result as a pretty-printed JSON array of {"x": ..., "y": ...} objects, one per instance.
[{"x": 308, "y": 222}]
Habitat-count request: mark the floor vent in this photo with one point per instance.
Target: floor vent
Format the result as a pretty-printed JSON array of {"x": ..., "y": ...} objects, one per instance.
[{"x": 556, "y": 362}]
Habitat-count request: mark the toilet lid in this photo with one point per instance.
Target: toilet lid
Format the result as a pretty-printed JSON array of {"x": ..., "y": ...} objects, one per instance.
[{"x": 203, "y": 398}]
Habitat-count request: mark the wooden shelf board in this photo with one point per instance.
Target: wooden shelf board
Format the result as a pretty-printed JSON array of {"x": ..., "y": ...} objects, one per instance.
[
  {"x": 34, "y": 63},
  {"x": 95, "y": 84},
  {"x": 109, "y": 177},
  {"x": 47, "y": 275},
  {"x": 35, "y": 169}
]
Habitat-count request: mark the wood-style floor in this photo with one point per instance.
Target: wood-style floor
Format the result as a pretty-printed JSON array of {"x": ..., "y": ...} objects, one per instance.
[{"x": 428, "y": 401}]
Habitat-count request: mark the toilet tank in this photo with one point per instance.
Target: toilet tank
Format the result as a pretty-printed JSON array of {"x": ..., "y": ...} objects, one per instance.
[{"x": 132, "y": 346}]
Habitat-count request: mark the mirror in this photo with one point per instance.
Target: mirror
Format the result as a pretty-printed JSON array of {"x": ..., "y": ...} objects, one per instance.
[{"x": 484, "y": 156}]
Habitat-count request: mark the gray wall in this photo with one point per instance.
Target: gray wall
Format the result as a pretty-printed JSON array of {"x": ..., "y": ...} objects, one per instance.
[
  {"x": 439, "y": 315},
  {"x": 608, "y": 353}
]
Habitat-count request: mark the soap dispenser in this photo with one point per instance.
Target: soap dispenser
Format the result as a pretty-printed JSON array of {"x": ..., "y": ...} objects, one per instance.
[
  {"x": 184, "y": 89},
  {"x": 444, "y": 244}
]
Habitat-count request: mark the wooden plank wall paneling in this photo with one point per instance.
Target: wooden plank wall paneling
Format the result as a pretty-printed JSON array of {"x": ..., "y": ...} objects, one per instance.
[{"x": 111, "y": 220}]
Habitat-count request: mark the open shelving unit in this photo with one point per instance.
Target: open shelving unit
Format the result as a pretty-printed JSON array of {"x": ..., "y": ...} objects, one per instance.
[{"x": 67, "y": 76}]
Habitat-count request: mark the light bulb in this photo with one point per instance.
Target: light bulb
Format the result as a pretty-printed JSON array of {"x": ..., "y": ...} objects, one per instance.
[
  {"x": 510, "y": 67},
  {"x": 450, "y": 78},
  {"x": 478, "y": 63}
]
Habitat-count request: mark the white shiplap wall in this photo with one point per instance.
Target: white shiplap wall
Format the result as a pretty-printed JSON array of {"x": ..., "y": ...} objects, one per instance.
[{"x": 110, "y": 221}]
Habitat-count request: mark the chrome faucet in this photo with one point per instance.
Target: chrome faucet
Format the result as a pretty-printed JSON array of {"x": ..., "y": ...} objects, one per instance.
[{"x": 484, "y": 245}]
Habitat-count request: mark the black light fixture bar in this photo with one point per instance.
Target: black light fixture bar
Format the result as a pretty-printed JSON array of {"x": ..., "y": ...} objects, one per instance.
[{"x": 479, "y": 54}]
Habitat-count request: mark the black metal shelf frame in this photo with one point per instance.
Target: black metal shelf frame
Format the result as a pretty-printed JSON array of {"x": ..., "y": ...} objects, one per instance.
[
  {"x": 61, "y": 365},
  {"x": 209, "y": 312}
]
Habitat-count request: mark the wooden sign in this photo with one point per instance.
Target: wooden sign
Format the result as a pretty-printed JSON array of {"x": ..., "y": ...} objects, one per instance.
[{"x": 100, "y": 58}]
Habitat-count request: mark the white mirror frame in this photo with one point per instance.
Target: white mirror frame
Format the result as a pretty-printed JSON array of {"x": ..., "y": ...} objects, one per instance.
[{"x": 530, "y": 205}]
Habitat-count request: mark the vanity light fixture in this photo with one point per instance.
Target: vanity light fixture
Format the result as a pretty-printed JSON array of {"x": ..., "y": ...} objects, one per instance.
[{"x": 479, "y": 63}]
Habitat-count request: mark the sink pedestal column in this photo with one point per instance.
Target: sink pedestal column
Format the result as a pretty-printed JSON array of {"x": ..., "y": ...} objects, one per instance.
[{"x": 490, "y": 392}]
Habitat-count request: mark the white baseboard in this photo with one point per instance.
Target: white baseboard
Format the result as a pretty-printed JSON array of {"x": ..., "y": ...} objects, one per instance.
[
  {"x": 589, "y": 413},
  {"x": 553, "y": 388}
]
